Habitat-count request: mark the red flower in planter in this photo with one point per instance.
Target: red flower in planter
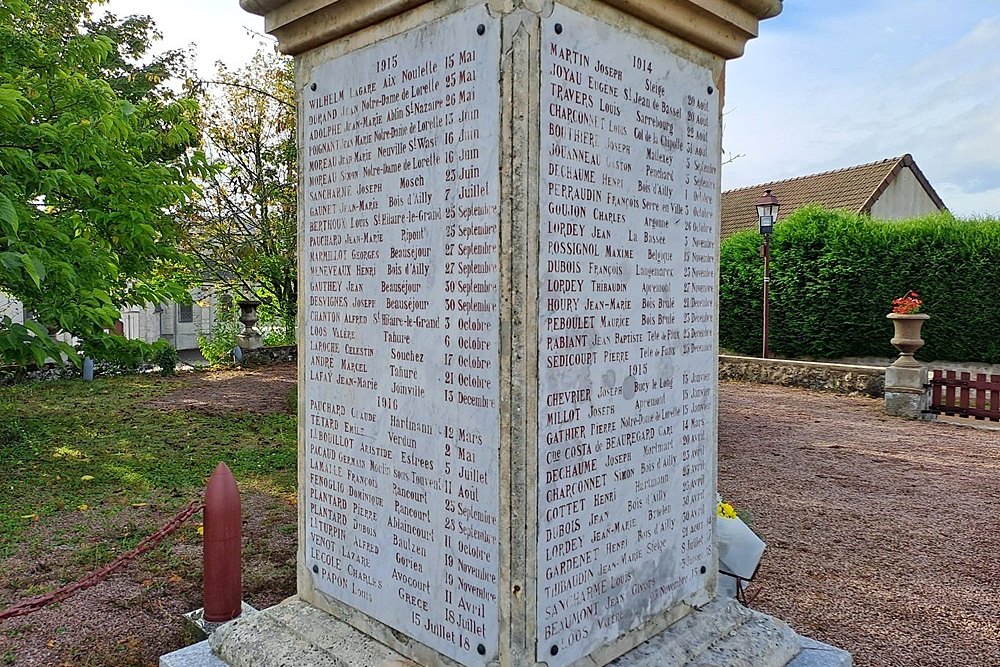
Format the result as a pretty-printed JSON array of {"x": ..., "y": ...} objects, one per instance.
[{"x": 908, "y": 304}]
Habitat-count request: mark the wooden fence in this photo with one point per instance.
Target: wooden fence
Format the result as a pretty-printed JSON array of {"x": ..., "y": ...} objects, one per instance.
[{"x": 958, "y": 394}]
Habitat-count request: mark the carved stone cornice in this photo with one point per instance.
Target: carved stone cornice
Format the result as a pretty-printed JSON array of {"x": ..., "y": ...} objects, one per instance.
[{"x": 722, "y": 27}]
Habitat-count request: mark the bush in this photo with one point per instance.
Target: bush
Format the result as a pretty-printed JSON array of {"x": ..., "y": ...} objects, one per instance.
[
  {"x": 279, "y": 336},
  {"x": 116, "y": 355},
  {"x": 218, "y": 346},
  {"x": 164, "y": 355},
  {"x": 834, "y": 275},
  {"x": 276, "y": 326},
  {"x": 741, "y": 276}
]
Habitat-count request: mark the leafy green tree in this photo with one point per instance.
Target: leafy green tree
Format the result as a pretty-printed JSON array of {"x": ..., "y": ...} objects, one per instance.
[
  {"x": 243, "y": 231},
  {"x": 96, "y": 158}
]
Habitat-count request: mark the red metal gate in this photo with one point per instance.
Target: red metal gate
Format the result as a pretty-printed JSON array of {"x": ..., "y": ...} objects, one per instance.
[{"x": 958, "y": 394}]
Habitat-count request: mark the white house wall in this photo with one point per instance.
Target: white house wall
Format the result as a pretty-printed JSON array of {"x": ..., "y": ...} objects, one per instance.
[
  {"x": 904, "y": 198},
  {"x": 141, "y": 323},
  {"x": 149, "y": 323},
  {"x": 184, "y": 335},
  {"x": 205, "y": 301},
  {"x": 11, "y": 308}
]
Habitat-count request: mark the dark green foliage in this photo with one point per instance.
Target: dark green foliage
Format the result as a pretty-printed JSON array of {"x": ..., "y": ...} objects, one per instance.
[
  {"x": 118, "y": 355},
  {"x": 218, "y": 347},
  {"x": 741, "y": 272},
  {"x": 834, "y": 275},
  {"x": 29, "y": 343},
  {"x": 165, "y": 357}
]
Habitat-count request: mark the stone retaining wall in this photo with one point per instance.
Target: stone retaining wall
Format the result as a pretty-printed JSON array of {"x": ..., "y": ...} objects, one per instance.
[
  {"x": 840, "y": 378},
  {"x": 11, "y": 375},
  {"x": 271, "y": 355}
]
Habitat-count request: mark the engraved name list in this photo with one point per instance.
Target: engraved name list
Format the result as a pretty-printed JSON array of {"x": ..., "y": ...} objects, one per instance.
[
  {"x": 627, "y": 336},
  {"x": 401, "y": 266}
]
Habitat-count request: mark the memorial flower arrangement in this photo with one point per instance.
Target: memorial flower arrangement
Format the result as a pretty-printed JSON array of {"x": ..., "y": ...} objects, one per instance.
[
  {"x": 740, "y": 549},
  {"x": 724, "y": 509},
  {"x": 909, "y": 304}
]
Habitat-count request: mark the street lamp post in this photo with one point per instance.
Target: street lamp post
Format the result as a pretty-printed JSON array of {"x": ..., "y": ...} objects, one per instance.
[{"x": 767, "y": 213}]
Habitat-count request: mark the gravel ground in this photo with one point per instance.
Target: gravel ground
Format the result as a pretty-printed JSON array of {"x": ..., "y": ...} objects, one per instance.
[{"x": 883, "y": 534}]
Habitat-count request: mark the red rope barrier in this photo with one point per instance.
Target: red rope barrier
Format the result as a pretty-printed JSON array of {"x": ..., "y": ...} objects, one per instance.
[{"x": 30, "y": 605}]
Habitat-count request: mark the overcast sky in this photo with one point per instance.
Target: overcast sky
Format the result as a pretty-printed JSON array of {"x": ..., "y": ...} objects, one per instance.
[
  {"x": 215, "y": 29},
  {"x": 829, "y": 84}
]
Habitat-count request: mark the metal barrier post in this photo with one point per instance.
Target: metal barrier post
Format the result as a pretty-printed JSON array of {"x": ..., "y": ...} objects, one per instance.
[{"x": 223, "y": 580}]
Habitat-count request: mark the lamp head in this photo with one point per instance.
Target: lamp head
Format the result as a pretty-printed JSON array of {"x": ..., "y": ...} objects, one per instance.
[{"x": 767, "y": 212}]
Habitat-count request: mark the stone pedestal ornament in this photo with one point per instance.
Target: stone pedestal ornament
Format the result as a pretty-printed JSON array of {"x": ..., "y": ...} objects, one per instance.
[
  {"x": 249, "y": 338},
  {"x": 508, "y": 254},
  {"x": 907, "y": 337},
  {"x": 906, "y": 391}
]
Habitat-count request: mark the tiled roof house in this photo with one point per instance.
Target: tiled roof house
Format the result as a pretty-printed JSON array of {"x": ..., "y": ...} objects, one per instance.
[{"x": 889, "y": 190}]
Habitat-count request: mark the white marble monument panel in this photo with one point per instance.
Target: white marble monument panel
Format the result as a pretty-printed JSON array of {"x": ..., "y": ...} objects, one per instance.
[
  {"x": 627, "y": 334},
  {"x": 401, "y": 277}
]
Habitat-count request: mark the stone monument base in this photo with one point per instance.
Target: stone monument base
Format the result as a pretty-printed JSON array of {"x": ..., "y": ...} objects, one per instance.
[
  {"x": 721, "y": 634},
  {"x": 248, "y": 342},
  {"x": 905, "y": 393}
]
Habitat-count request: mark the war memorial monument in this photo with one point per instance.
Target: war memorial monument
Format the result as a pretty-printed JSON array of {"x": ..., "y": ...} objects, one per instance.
[{"x": 508, "y": 252}]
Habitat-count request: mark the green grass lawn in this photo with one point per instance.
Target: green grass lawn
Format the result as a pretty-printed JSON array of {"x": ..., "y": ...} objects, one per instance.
[
  {"x": 88, "y": 470},
  {"x": 93, "y": 448}
]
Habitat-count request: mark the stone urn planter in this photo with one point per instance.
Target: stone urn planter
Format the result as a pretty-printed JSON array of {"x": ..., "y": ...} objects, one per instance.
[
  {"x": 907, "y": 338},
  {"x": 249, "y": 338}
]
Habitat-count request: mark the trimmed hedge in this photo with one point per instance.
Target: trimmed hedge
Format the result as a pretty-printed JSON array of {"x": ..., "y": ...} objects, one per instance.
[{"x": 834, "y": 276}]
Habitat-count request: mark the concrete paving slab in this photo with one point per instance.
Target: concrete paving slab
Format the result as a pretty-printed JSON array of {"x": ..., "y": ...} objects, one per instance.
[{"x": 195, "y": 655}]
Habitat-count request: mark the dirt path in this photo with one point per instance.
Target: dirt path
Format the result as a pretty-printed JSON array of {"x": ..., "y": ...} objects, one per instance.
[
  {"x": 883, "y": 534},
  {"x": 256, "y": 390}
]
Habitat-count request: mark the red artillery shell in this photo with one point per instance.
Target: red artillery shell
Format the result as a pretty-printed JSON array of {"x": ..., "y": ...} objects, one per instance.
[{"x": 223, "y": 564}]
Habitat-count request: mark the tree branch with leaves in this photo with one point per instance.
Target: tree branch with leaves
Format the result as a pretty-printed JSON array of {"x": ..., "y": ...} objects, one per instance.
[
  {"x": 97, "y": 157},
  {"x": 243, "y": 229}
]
